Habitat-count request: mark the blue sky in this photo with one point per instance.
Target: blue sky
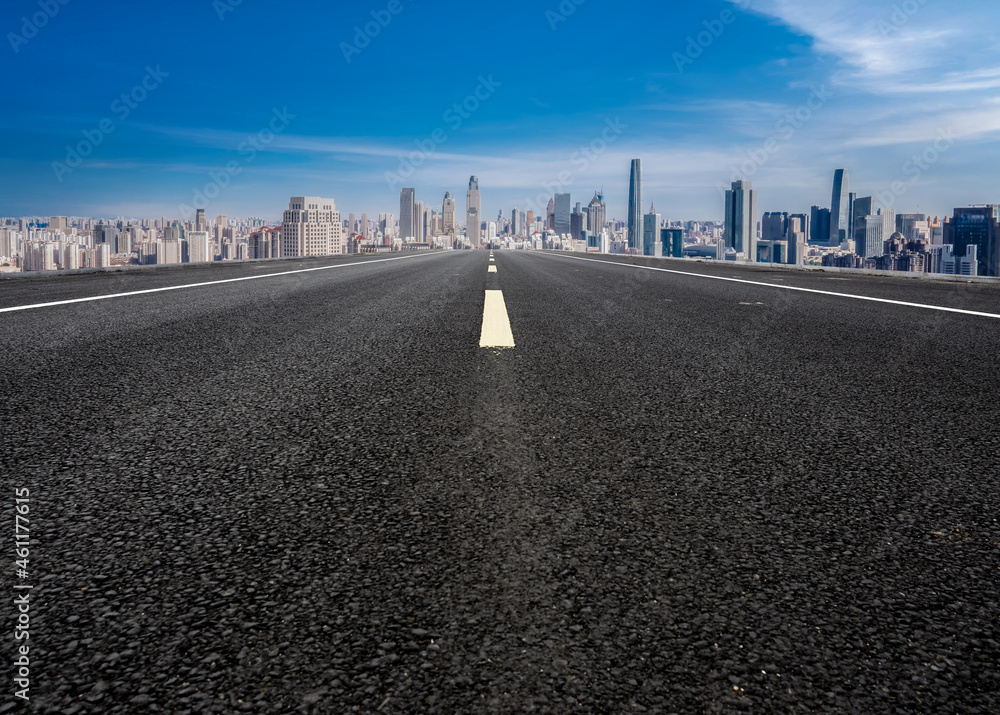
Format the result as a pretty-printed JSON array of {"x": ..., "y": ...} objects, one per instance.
[{"x": 781, "y": 92}]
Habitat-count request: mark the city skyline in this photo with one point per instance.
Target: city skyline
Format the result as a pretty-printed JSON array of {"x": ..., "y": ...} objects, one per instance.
[{"x": 252, "y": 136}]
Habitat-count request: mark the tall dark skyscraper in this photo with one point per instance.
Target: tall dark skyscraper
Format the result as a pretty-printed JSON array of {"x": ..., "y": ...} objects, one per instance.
[
  {"x": 407, "y": 214},
  {"x": 635, "y": 220},
  {"x": 977, "y": 226},
  {"x": 819, "y": 226},
  {"x": 840, "y": 208},
  {"x": 562, "y": 217}
]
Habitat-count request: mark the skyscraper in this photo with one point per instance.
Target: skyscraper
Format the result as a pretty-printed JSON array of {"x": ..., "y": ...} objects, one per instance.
[
  {"x": 863, "y": 208},
  {"x": 650, "y": 232},
  {"x": 418, "y": 221},
  {"x": 550, "y": 214},
  {"x": 635, "y": 207},
  {"x": 878, "y": 229},
  {"x": 448, "y": 214},
  {"x": 840, "y": 209},
  {"x": 819, "y": 226},
  {"x": 199, "y": 220},
  {"x": 473, "y": 213},
  {"x": 407, "y": 214},
  {"x": 597, "y": 212},
  {"x": 562, "y": 225},
  {"x": 977, "y": 226},
  {"x": 741, "y": 219}
]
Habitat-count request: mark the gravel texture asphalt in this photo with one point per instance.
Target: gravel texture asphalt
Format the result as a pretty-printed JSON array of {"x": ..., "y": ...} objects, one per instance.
[{"x": 315, "y": 493}]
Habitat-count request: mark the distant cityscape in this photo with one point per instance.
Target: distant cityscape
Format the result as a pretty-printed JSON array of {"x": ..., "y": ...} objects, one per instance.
[{"x": 854, "y": 232}]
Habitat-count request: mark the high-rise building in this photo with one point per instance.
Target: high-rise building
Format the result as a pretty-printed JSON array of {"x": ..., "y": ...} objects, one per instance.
[
  {"x": 311, "y": 227},
  {"x": 840, "y": 209},
  {"x": 597, "y": 214},
  {"x": 550, "y": 215},
  {"x": 386, "y": 226},
  {"x": 577, "y": 225},
  {"x": 58, "y": 223},
  {"x": 863, "y": 208},
  {"x": 878, "y": 229},
  {"x": 448, "y": 215},
  {"x": 797, "y": 236},
  {"x": 635, "y": 227},
  {"x": 199, "y": 220},
  {"x": 651, "y": 232},
  {"x": 418, "y": 221},
  {"x": 517, "y": 223},
  {"x": 562, "y": 215},
  {"x": 819, "y": 226},
  {"x": 407, "y": 214},
  {"x": 944, "y": 260},
  {"x": 977, "y": 226},
  {"x": 741, "y": 219},
  {"x": 672, "y": 242},
  {"x": 473, "y": 213}
]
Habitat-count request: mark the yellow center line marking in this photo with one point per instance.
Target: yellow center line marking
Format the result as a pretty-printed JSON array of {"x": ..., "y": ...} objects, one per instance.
[
  {"x": 496, "y": 331},
  {"x": 492, "y": 269}
]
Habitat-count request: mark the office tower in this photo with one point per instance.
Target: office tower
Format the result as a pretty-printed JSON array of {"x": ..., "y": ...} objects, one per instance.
[
  {"x": 102, "y": 256},
  {"x": 840, "y": 210},
  {"x": 650, "y": 232},
  {"x": 221, "y": 224},
  {"x": 386, "y": 226},
  {"x": 977, "y": 226},
  {"x": 635, "y": 227},
  {"x": 407, "y": 218},
  {"x": 878, "y": 229},
  {"x": 945, "y": 260},
  {"x": 199, "y": 220},
  {"x": 577, "y": 225},
  {"x": 197, "y": 247},
  {"x": 850, "y": 221},
  {"x": 58, "y": 223},
  {"x": 448, "y": 215},
  {"x": 351, "y": 224},
  {"x": 530, "y": 221},
  {"x": 562, "y": 213},
  {"x": 863, "y": 208},
  {"x": 915, "y": 227},
  {"x": 741, "y": 219},
  {"x": 311, "y": 227},
  {"x": 550, "y": 215},
  {"x": 418, "y": 221},
  {"x": 364, "y": 225},
  {"x": 797, "y": 235},
  {"x": 516, "y": 223},
  {"x": 597, "y": 214},
  {"x": 473, "y": 213},
  {"x": 819, "y": 226},
  {"x": 672, "y": 242},
  {"x": 71, "y": 257},
  {"x": 774, "y": 226}
]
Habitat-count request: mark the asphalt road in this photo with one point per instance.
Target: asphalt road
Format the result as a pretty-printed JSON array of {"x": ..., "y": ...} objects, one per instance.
[{"x": 316, "y": 493}]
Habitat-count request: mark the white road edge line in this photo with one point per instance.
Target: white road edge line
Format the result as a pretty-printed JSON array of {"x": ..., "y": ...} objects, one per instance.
[
  {"x": 199, "y": 285},
  {"x": 496, "y": 331},
  {"x": 795, "y": 288}
]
